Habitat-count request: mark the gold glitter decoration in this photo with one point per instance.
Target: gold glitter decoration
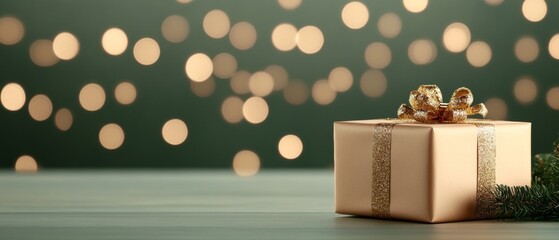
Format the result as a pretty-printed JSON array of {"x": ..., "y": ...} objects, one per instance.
[
  {"x": 381, "y": 157},
  {"x": 486, "y": 154},
  {"x": 427, "y": 106}
]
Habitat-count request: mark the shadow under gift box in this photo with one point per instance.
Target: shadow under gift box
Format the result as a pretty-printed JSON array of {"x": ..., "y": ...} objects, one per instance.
[{"x": 433, "y": 167}]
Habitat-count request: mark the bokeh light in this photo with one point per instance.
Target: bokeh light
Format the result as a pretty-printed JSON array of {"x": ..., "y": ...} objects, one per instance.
[
  {"x": 296, "y": 92},
  {"x": 216, "y": 24},
  {"x": 322, "y": 93},
  {"x": 355, "y": 15},
  {"x": 42, "y": 53},
  {"x": 261, "y": 84},
  {"x": 40, "y": 107},
  {"x": 198, "y": 67},
  {"x": 526, "y": 49},
  {"x": 415, "y": 6},
  {"x": 456, "y": 37},
  {"x": 125, "y": 93},
  {"x": 373, "y": 83},
  {"x": 232, "y": 109},
  {"x": 63, "y": 119},
  {"x": 174, "y": 131},
  {"x": 494, "y": 2},
  {"x": 283, "y": 37},
  {"x": 65, "y": 46},
  {"x": 290, "y": 147},
  {"x": 11, "y": 30},
  {"x": 534, "y": 10},
  {"x": 309, "y": 39},
  {"x": 496, "y": 109},
  {"x": 340, "y": 79},
  {"x": 290, "y": 4},
  {"x": 203, "y": 89},
  {"x": 255, "y": 110},
  {"x": 552, "y": 98},
  {"x": 146, "y": 51},
  {"x": 279, "y": 74},
  {"x": 525, "y": 90},
  {"x": 389, "y": 25},
  {"x": 12, "y": 96},
  {"x": 553, "y": 46},
  {"x": 378, "y": 55},
  {"x": 242, "y": 36},
  {"x": 26, "y": 164},
  {"x": 114, "y": 41},
  {"x": 111, "y": 136},
  {"x": 175, "y": 28},
  {"x": 478, "y": 54},
  {"x": 239, "y": 82},
  {"x": 224, "y": 65},
  {"x": 92, "y": 97},
  {"x": 422, "y": 51}
]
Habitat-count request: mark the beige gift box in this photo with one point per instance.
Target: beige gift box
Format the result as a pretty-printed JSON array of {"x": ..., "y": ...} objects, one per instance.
[{"x": 433, "y": 168}]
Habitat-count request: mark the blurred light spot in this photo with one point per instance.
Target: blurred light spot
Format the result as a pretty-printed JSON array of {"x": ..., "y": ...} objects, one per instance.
[
  {"x": 232, "y": 109},
  {"x": 389, "y": 25},
  {"x": 26, "y": 163},
  {"x": 12, "y": 96},
  {"x": 478, "y": 54},
  {"x": 422, "y": 51},
  {"x": 355, "y": 15},
  {"x": 534, "y": 10},
  {"x": 526, "y": 49},
  {"x": 92, "y": 97},
  {"x": 125, "y": 93},
  {"x": 378, "y": 55},
  {"x": 261, "y": 84},
  {"x": 65, "y": 46},
  {"x": 246, "y": 163},
  {"x": 309, "y": 39},
  {"x": 203, "y": 89},
  {"x": 184, "y": 1},
  {"x": 40, "y": 107},
  {"x": 322, "y": 93},
  {"x": 216, "y": 24},
  {"x": 63, "y": 119},
  {"x": 255, "y": 110},
  {"x": 456, "y": 37},
  {"x": 174, "y": 131},
  {"x": 114, "y": 41},
  {"x": 199, "y": 67},
  {"x": 296, "y": 92},
  {"x": 242, "y": 36},
  {"x": 111, "y": 136},
  {"x": 496, "y": 109},
  {"x": 279, "y": 74},
  {"x": 239, "y": 82},
  {"x": 494, "y": 2},
  {"x": 552, "y": 98},
  {"x": 11, "y": 30},
  {"x": 340, "y": 79},
  {"x": 175, "y": 28},
  {"x": 146, "y": 51},
  {"x": 373, "y": 83},
  {"x": 415, "y": 6},
  {"x": 525, "y": 90},
  {"x": 224, "y": 65},
  {"x": 290, "y": 146},
  {"x": 42, "y": 54},
  {"x": 283, "y": 37},
  {"x": 553, "y": 46},
  {"x": 290, "y": 4}
]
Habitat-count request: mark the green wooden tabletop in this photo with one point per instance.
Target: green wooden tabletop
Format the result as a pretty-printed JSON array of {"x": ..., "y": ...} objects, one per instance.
[{"x": 208, "y": 205}]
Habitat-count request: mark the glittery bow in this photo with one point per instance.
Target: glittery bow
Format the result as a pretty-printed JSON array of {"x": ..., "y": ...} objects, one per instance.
[{"x": 427, "y": 106}]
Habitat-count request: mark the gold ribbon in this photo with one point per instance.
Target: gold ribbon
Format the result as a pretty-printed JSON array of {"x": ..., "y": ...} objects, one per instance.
[{"x": 427, "y": 106}]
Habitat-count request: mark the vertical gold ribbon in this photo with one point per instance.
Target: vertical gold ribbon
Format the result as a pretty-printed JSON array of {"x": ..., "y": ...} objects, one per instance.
[
  {"x": 486, "y": 178},
  {"x": 380, "y": 187}
]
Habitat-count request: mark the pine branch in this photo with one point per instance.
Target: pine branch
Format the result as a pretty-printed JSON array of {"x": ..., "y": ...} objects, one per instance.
[{"x": 527, "y": 203}]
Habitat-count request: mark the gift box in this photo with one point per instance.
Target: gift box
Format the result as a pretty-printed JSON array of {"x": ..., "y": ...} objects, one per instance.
[{"x": 398, "y": 169}]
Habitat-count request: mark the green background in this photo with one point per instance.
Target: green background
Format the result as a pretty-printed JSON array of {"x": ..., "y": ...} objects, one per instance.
[{"x": 164, "y": 90}]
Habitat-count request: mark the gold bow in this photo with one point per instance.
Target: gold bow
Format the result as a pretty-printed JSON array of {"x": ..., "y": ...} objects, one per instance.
[{"x": 427, "y": 106}]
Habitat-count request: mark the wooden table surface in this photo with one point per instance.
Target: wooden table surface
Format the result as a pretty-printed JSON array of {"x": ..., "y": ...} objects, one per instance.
[{"x": 208, "y": 205}]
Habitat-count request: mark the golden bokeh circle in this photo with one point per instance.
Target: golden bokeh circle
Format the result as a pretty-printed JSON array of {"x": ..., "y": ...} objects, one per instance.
[
  {"x": 198, "y": 67},
  {"x": 378, "y": 55},
  {"x": 63, "y": 119},
  {"x": 42, "y": 53},
  {"x": 261, "y": 84},
  {"x": 255, "y": 110},
  {"x": 526, "y": 49},
  {"x": 290, "y": 146},
  {"x": 415, "y": 6},
  {"x": 525, "y": 90},
  {"x": 283, "y": 37},
  {"x": 309, "y": 39},
  {"x": 65, "y": 46},
  {"x": 496, "y": 109},
  {"x": 26, "y": 164},
  {"x": 478, "y": 54},
  {"x": 111, "y": 136},
  {"x": 355, "y": 15},
  {"x": 174, "y": 131},
  {"x": 125, "y": 93},
  {"x": 203, "y": 89},
  {"x": 246, "y": 163},
  {"x": 114, "y": 41},
  {"x": 340, "y": 79},
  {"x": 92, "y": 97},
  {"x": 534, "y": 10},
  {"x": 373, "y": 83},
  {"x": 12, "y": 96},
  {"x": 296, "y": 92},
  {"x": 216, "y": 24},
  {"x": 40, "y": 107},
  {"x": 239, "y": 82},
  {"x": 422, "y": 51},
  {"x": 11, "y": 30},
  {"x": 322, "y": 93},
  {"x": 224, "y": 65},
  {"x": 146, "y": 51},
  {"x": 456, "y": 37},
  {"x": 232, "y": 109},
  {"x": 389, "y": 25},
  {"x": 243, "y": 36},
  {"x": 175, "y": 28},
  {"x": 552, "y": 98}
]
